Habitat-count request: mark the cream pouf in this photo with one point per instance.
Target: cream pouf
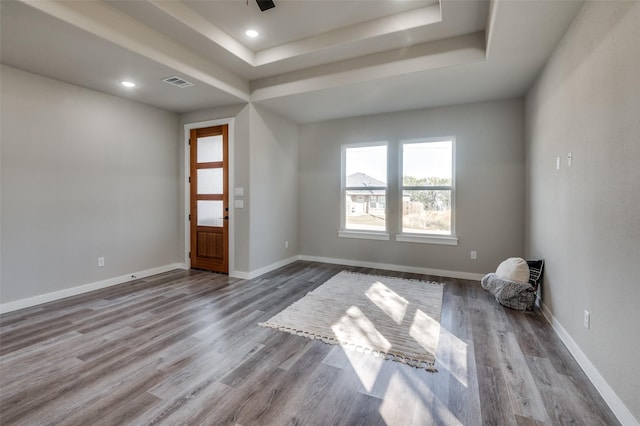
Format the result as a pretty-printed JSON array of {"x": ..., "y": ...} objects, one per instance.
[
  {"x": 514, "y": 269},
  {"x": 513, "y": 294}
]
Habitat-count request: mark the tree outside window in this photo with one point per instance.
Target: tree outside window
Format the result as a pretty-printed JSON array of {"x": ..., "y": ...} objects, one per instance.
[{"x": 427, "y": 187}]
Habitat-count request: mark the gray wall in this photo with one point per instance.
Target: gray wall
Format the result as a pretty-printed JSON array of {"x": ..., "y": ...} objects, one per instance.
[
  {"x": 83, "y": 175},
  {"x": 489, "y": 185},
  {"x": 274, "y": 188},
  {"x": 585, "y": 219}
]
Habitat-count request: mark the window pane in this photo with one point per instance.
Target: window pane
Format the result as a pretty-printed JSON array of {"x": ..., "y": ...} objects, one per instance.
[
  {"x": 209, "y": 149},
  {"x": 366, "y": 166},
  {"x": 364, "y": 214},
  {"x": 210, "y": 213},
  {"x": 210, "y": 181},
  {"x": 427, "y": 212},
  {"x": 427, "y": 163}
]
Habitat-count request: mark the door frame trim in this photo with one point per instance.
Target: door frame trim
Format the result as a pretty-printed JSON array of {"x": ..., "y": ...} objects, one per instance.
[{"x": 187, "y": 189}]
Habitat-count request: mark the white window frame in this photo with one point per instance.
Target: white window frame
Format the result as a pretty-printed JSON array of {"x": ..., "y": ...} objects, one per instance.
[
  {"x": 353, "y": 233},
  {"x": 423, "y": 238}
]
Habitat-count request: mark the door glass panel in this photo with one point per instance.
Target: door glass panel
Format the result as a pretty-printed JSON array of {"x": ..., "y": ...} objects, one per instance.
[
  {"x": 209, "y": 149},
  {"x": 210, "y": 181},
  {"x": 210, "y": 213}
]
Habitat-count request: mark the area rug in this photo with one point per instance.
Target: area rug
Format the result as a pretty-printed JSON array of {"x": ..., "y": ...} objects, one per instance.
[{"x": 392, "y": 318}]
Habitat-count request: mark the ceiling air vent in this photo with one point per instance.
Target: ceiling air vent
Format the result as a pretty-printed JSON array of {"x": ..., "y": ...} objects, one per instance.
[{"x": 177, "y": 81}]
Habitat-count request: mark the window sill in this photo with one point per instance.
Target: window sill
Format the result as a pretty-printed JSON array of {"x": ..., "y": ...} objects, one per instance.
[
  {"x": 364, "y": 235},
  {"x": 447, "y": 240}
]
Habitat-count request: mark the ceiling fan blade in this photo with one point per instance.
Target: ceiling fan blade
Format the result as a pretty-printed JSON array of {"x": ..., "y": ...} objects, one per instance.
[{"x": 265, "y": 4}]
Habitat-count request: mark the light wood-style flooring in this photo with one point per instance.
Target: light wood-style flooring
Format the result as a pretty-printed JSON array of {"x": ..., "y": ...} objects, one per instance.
[{"x": 184, "y": 348}]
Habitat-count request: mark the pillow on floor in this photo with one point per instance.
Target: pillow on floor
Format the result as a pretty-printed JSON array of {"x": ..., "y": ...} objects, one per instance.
[{"x": 514, "y": 269}]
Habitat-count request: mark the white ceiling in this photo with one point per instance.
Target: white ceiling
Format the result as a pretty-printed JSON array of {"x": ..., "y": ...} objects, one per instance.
[
  {"x": 283, "y": 25},
  {"x": 314, "y": 59}
]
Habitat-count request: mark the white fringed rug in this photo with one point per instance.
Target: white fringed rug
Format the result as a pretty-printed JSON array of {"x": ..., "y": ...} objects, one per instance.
[{"x": 391, "y": 318}]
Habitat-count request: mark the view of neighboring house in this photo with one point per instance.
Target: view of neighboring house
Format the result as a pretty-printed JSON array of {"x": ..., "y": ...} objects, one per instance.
[
  {"x": 365, "y": 201},
  {"x": 422, "y": 211}
]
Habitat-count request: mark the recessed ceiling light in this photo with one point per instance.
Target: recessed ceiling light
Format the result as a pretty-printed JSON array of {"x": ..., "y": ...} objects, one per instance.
[
  {"x": 128, "y": 84},
  {"x": 252, "y": 33}
]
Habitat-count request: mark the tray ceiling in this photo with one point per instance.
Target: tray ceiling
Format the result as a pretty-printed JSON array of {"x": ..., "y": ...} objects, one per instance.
[{"x": 313, "y": 59}]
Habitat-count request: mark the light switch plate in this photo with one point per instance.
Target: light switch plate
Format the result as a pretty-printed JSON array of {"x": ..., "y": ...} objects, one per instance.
[
  {"x": 238, "y": 204},
  {"x": 239, "y": 192}
]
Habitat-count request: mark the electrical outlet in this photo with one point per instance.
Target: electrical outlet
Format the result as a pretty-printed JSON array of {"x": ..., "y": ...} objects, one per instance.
[
  {"x": 100, "y": 262},
  {"x": 286, "y": 244},
  {"x": 587, "y": 320},
  {"x": 474, "y": 255}
]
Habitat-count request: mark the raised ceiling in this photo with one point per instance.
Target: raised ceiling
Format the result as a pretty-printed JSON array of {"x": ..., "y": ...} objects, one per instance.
[{"x": 314, "y": 59}]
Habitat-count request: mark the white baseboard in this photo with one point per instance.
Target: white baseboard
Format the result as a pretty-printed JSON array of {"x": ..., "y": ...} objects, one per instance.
[
  {"x": 617, "y": 406},
  {"x": 74, "y": 291},
  {"x": 254, "y": 274},
  {"x": 347, "y": 262},
  {"x": 239, "y": 274},
  {"x": 399, "y": 268}
]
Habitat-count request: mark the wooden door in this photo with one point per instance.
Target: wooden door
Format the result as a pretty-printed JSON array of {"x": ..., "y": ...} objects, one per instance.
[{"x": 209, "y": 199}]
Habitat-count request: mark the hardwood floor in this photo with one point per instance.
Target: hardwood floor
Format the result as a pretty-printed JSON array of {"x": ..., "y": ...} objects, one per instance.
[{"x": 183, "y": 348}]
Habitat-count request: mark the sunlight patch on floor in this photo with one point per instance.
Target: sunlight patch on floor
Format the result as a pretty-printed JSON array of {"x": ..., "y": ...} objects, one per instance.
[
  {"x": 455, "y": 358},
  {"x": 367, "y": 368},
  {"x": 424, "y": 329},
  {"x": 354, "y": 326},
  {"x": 390, "y": 302},
  {"x": 430, "y": 409}
]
